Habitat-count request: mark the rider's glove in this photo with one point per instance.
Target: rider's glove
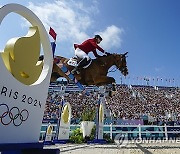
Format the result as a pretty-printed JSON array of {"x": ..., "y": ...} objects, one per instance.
[
  {"x": 98, "y": 56},
  {"x": 106, "y": 53}
]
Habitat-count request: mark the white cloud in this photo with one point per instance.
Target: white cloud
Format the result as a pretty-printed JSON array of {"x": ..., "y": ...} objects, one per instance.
[
  {"x": 72, "y": 21},
  {"x": 68, "y": 18},
  {"x": 90, "y": 9},
  {"x": 111, "y": 37}
]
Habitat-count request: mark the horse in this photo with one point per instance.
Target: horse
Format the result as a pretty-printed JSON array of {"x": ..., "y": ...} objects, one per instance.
[{"x": 96, "y": 73}]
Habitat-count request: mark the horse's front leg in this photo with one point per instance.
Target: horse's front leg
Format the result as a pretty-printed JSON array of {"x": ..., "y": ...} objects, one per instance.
[{"x": 102, "y": 80}]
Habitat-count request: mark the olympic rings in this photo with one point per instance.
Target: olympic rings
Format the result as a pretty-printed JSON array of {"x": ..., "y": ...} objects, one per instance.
[{"x": 13, "y": 115}]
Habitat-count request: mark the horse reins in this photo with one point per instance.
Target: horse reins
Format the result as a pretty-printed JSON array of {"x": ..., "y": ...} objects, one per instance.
[{"x": 114, "y": 69}]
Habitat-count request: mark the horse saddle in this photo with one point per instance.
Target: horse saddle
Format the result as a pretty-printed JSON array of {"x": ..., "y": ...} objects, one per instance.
[{"x": 75, "y": 60}]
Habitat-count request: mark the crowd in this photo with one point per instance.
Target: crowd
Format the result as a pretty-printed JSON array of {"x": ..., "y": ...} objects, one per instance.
[
  {"x": 78, "y": 100},
  {"x": 155, "y": 105}
]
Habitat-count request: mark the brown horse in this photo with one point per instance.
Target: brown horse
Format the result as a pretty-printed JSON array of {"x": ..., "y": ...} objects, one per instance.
[{"x": 96, "y": 73}]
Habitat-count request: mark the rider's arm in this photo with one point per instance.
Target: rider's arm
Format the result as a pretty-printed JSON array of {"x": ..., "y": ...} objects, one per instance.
[
  {"x": 95, "y": 53},
  {"x": 100, "y": 49},
  {"x": 96, "y": 46}
]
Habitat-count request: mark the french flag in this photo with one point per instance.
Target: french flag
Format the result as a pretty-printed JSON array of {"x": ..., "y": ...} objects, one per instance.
[
  {"x": 53, "y": 44},
  {"x": 52, "y": 33}
]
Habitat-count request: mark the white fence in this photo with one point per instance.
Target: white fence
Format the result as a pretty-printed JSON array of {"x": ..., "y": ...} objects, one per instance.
[{"x": 136, "y": 130}]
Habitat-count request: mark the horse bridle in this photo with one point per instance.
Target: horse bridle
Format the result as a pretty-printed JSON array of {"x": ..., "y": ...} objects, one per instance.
[{"x": 118, "y": 65}]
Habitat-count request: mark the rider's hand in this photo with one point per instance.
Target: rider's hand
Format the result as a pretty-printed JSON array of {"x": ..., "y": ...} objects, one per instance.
[
  {"x": 98, "y": 56},
  {"x": 106, "y": 53}
]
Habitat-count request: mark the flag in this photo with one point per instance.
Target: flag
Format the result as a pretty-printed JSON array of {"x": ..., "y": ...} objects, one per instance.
[
  {"x": 52, "y": 33},
  {"x": 53, "y": 46}
]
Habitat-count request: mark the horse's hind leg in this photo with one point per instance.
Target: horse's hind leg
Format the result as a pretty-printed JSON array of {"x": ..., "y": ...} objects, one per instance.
[{"x": 102, "y": 80}]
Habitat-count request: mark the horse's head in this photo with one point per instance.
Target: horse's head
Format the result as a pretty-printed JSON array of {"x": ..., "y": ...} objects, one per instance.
[{"x": 120, "y": 62}]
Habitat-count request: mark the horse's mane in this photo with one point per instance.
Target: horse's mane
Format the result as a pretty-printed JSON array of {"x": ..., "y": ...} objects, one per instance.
[{"x": 105, "y": 56}]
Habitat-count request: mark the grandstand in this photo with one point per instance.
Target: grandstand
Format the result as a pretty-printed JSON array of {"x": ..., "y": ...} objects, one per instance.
[{"x": 154, "y": 105}]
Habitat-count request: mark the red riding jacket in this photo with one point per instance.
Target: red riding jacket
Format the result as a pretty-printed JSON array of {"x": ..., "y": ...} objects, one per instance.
[{"x": 88, "y": 46}]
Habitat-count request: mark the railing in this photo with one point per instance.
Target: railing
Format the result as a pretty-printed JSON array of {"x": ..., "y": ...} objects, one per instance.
[{"x": 132, "y": 131}]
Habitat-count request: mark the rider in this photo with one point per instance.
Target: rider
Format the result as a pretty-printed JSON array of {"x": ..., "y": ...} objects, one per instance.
[{"x": 83, "y": 49}]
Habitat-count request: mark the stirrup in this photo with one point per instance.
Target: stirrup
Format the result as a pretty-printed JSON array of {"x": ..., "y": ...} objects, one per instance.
[{"x": 74, "y": 71}]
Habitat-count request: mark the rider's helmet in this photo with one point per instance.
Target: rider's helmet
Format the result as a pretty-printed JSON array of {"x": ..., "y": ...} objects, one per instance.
[{"x": 98, "y": 36}]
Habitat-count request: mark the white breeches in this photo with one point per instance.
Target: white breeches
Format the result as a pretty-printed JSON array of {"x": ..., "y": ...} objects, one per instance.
[{"x": 81, "y": 54}]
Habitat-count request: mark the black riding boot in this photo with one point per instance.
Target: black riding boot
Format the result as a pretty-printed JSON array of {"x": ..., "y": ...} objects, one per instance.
[{"x": 81, "y": 64}]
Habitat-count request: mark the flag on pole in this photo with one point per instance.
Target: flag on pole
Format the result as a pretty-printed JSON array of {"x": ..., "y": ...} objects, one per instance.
[
  {"x": 53, "y": 46},
  {"x": 52, "y": 33}
]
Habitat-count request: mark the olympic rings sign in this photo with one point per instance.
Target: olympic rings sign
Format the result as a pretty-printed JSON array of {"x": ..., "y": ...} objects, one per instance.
[{"x": 14, "y": 115}]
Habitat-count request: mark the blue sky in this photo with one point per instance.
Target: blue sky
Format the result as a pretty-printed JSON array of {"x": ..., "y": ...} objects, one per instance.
[{"x": 148, "y": 29}]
